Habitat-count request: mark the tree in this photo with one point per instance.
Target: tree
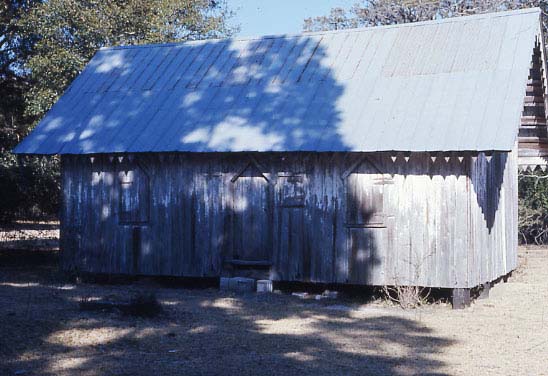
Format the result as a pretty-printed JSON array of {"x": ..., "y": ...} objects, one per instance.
[
  {"x": 68, "y": 32},
  {"x": 387, "y": 12},
  {"x": 533, "y": 207},
  {"x": 14, "y": 47},
  {"x": 43, "y": 47}
]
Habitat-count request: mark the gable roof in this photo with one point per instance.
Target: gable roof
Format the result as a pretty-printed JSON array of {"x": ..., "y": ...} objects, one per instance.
[{"x": 447, "y": 85}]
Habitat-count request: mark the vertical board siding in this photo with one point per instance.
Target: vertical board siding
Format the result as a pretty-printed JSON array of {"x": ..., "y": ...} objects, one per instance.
[
  {"x": 358, "y": 218},
  {"x": 251, "y": 215},
  {"x": 493, "y": 205}
]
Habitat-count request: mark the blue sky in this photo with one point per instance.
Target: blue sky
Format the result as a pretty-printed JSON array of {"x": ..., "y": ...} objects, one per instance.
[{"x": 264, "y": 17}]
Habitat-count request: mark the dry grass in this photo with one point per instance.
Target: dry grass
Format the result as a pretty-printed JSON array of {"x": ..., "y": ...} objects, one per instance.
[
  {"x": 407, "y": 297},
  {"x": 204, "y": 331}
]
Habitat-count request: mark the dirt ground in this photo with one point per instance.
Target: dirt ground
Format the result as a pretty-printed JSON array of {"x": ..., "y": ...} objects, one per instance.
[
  {"x": 30, "y": 235},
  {"x": 207, "y": 332}
]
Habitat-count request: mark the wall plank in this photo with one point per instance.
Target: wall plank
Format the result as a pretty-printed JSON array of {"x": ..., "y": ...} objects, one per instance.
[{"x": 315, "y": 217}]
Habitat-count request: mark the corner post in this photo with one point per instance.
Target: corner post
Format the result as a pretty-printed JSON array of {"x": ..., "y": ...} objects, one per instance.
[
  {"x": 460, "y": 298},
  {"x": 484, "y": 293}
]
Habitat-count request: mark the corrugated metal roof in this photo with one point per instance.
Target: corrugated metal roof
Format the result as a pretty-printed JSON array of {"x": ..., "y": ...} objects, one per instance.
[{"x": 445, "y": 85}]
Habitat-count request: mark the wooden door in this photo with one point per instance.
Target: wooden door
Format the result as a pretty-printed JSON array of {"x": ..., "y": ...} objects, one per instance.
[
  {"x": 251, "y": 216},
  {"x": 133, "y": 214},
  {"x": 365, "y": 223},
  {"x": 293, "y": 254}
]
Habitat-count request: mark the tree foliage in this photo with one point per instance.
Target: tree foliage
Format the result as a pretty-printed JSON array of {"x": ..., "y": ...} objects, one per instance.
[
  {"x": 43, "y": 47},
  {"x": 388, "y": 12},
  {"x": 68, "y": 32},
  {"x": 533, "y": 207},
  {"x": 14, "y": 49}
]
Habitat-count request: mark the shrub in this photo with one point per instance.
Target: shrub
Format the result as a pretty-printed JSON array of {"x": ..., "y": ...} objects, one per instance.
[
  {"x": 29, "y": 187},
  {"x": 533, "y": 207}
]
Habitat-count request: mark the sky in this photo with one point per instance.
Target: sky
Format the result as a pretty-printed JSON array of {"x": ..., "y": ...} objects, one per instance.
[{"x": 267, "y": 17}]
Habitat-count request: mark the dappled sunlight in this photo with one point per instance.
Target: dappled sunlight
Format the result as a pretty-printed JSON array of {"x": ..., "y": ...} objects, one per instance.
[
  {"x": 67, "y": 364},
  {"x": 362, "y": 255},
  {"x": 230, "y": 304},
  {"x": 301, "y": 356},
  {"x": 339, "y": 332},
  {"x": 89, "y": 298},
  {"x": 87, "y": 337},
  {"x": 86, "y": 134},
  {"x": 146, "y": 248},
  {"x": 203, "y": 329},
  {"x": 34, "y": 285},
  {"x": 236, "y": 331},
  {"x": 96, "y": 178},
  {"x": 87, "y": 146},
  {"x": 197, "y": 135},
  {"x": 229, "y": 95},
  {"x": 170, "y": 302},
  {"x": 288, "y": 325},
  {"x": 317, "y": 98},
  {"x": 190, "y": 99},
  {"x": 235, "y": 132},
  {"x": 111, "y": 61},
  {"x": 22, "y": 285},
  {"x": 105, "y": 212},
  {"x": 69, "y": 136},
  {"x": 240, "y": 203},
  {"x": 64, "y": 287},
  {"x": 53, "y": 124}
]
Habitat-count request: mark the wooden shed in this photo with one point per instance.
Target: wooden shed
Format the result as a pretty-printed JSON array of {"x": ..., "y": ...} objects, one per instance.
[{"x": 375, "y": 156}]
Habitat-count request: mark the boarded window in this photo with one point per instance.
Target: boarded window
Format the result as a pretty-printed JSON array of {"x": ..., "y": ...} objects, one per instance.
[
  {"x": 134, "y": 196},
  {"x": 364, "y": 197},
  {"x": 292, "y": 190}
]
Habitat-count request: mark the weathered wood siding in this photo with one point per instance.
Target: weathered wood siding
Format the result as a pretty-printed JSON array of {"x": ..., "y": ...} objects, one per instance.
[
  {"x": 319, "y": 217},
  {"x": 494, "y": 217}
]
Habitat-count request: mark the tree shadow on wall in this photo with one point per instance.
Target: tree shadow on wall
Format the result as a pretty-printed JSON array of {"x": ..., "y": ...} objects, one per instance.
[{"x": 275, "y": 94}]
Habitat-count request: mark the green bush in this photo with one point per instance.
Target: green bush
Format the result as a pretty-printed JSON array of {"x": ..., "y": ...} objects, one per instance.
[
  {"x": 533, "y": 207},
  {"x": 29, "y": 187}
]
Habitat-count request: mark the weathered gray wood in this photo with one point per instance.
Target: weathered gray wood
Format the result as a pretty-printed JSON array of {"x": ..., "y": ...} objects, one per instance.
[
  {"x": 315, "y": 217},
  {"x": 251, "y": 215},
  {"x": 493, "y": 203},
  {"x": 460, "y": 298},
  {"x": 485, "y": 288}
]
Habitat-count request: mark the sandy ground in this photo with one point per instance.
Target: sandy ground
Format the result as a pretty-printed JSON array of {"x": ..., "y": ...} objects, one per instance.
[
  {"x": 30, "y": 235},
  {"x": 204, "y": 331}
]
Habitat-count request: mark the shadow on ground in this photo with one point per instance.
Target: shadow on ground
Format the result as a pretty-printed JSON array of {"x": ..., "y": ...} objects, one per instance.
[{"x": 201, "y": 332}]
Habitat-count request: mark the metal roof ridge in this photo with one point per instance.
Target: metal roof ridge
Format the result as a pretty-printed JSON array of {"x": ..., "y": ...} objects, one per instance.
[{"x": 506, "y": 13}]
